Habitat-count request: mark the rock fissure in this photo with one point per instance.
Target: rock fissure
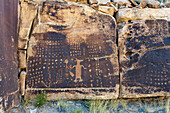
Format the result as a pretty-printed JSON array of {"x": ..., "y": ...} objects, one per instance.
[{"x": 33, "y": 24}]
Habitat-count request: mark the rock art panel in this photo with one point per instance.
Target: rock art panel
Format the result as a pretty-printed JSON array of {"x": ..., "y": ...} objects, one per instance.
[
  {"x": 72, "y": 53},
  {"x": 144, "y": 58},
  {"x": 9, "y": 96}
]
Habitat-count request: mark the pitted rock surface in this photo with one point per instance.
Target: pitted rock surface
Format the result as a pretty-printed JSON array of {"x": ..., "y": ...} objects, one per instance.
[
  {"x": 9, "y": 96},
  {"x": 73, "y": 51},
  {"x": 144, "y": 58}
]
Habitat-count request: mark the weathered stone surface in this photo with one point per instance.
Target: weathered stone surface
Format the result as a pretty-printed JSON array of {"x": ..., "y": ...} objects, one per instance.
[
  {"x": 103, "y": 1},
  {"x": 143, "y": 4},
  {"x": 167, "y": 5},
  {"x": 27, "y": 14},
  {"x": 73, "y": 53},
  {"x": 133, "y": 2},
  {"x": 8, "y": 55},
  {"x": 144, "y": 58},
  {"x": 122, "y": 3},
  {"x": 107, "y": 9},
  {"x": 129, "y": 14},
  {"x": 22, "y": 82},
  {"x": 93, "y": 1},
  {"x": 79, "y": 1},
  {"x": 153, "y": 4},
  {"x": 22, "y": 59}
]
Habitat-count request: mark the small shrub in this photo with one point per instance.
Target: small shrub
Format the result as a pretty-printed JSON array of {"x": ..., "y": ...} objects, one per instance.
[{"x": 41, "y": 99}]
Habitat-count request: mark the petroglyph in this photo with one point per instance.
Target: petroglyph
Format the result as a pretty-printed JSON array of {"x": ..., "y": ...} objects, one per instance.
[
  {"x": 72, "y": 52},
  {"x": 144, "y": 57},
  {"x": 78, "y": 69}
]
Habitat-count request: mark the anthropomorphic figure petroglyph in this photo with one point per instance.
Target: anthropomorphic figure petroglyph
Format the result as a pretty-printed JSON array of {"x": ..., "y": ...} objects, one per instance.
[{"x": 78, "y": 70}]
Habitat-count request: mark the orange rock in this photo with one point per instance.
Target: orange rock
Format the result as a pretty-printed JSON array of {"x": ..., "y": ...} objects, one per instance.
[
  {"x": 143, "y": 4},
  {"x": 133, "y": 2},
  {"x": 93, "y": 1}
]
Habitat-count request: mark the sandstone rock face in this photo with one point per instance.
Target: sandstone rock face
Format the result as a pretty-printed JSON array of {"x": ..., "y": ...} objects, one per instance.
[
  {"x": 133, "y": 2},
  {"x": 103, "y": 1},
  {"x": 130, "y": 14},
  {"x": 144, "y": 58},
  {"x": 22, "y": 59},
  {"x": 93, "y": 1},
  {"x": 28, "y": 13},
  {"x": 72, "y": 53},
  {"x": 107, "y": 10},
  {"x": 9, "y": 96},
  {"x": 122, "y": 3}
]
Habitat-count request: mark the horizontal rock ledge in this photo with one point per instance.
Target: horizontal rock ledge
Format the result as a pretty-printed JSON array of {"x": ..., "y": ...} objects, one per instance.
[{"x": 129, "y": 14}]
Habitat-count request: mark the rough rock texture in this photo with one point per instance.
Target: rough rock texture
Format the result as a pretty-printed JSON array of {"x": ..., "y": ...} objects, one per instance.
[
  {"x": 144, "y": 58},
  {"x": 8, "y": 55},
  {"x": 153, "y": 4},
  {"x": 107, "y": 10},
  {"x": 129, "y": 14},
  {"x": 22, "y": 82},
  {"x": 167, "y": 5},
  {"x": 22, "y": 59},
  {"x": 143, "y": 4},
  {"x": 93, "y": 1},
  {"x": 122, "y": 3},
  {"x": 103, "y": 1},
  {"x": 79, "y": 1},
  {"x": 72, "y": 53},
  {"x": 28, "y": 13},
  {"x": 133, "y": 2}
]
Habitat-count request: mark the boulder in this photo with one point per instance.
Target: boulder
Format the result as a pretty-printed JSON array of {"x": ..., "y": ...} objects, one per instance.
[
  {"x": 93, "y": 1},
  {"x": 107, "y": 10},
  {"x": 72, "y": 53},
  {"x": 143, "y": 4},
  {"x": 144, "y": 58},
  {"x": 153, "y": 4},
  {"x": 133, "y": 2},
  {"x": 129, "y": 14},
  {"x": 167, "y": 5},
  {"x": 103, "y": 1},
  {"x": 79, "y": 1},
  {"x": 122, "y": 3}
]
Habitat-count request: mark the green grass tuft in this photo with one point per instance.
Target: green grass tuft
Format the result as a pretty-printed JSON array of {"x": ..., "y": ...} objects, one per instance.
[{"x": 41, "y": 99}]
